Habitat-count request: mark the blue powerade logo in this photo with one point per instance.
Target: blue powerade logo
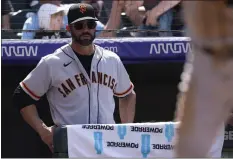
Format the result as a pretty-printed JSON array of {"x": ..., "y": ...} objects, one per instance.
[
  {"x": 121, "y": 130},
  {"x": 145, "y": 148},
  {"x": 169, "y": 132},
  {"x": 98, "y": 137}
]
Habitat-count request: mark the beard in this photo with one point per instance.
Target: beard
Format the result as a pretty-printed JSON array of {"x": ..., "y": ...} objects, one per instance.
[{"x": 83, "y": 42}]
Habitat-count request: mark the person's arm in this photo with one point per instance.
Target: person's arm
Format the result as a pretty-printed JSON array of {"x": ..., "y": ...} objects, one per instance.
[
  {"x": 100, "y": 4},
  {"x": 6, "y": 9},
  {"x": 25, "y": 104},
  {"x": 6, "y": 21},
  {"x": 29, "y": 91},
  {"x": 163, "y": 7},
  {"x": 127, "y": 108},
  {"x": 160, "y": 9},
  {"x": 30, "y": 115},
  {"x": 124, "y": 90},
  {"x": 114, "y": 19},
  {"x": 132, "y": 11}
]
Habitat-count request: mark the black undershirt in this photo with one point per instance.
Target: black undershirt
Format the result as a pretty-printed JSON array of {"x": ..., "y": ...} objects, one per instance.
[{"x": 85, "y": 61}]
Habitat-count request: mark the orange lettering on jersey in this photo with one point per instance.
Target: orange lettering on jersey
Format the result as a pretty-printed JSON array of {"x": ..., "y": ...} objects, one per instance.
[
  {"x": 100, "y": 81},
  {"x": 109, "y": 81},
  {"x": 83, "y": 79},
  {"x": 70, "y": 84},
  {"x": 113, "y": 83},
  {"x": 93, "y": 77},
  {"x": 105, "y": 79},
  {"x": 67, "y": 91},
  {"x": 77, "y": 80},
  {"x": 114, "y": 87},
  {"x": 64, "y": 95}
]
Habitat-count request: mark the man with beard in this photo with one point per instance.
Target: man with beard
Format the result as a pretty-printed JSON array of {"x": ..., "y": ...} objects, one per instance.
[{"x": 79, "y": 80}]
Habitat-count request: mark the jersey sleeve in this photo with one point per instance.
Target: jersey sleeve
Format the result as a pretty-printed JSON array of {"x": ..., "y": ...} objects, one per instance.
[
  {"x": 124, "y": 86},
  {"x": 38, "y": 81}
]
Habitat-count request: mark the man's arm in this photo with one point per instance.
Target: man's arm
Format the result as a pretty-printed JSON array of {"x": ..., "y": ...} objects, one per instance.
[
  {"x": 6, "y": 9},
  {"x": 158, "y": 10},
  {"x": 25, "y": 104},
  {"x": 124, "y": 89},
  {"x": 26, "y": 95},
  {"x": 132, "y": 11},
  {"x": 127, "y": 108},
  {"x": 163, "y": 7},
  {"x": 114, "y": 19},
  {"x": 30, "y": 115}
]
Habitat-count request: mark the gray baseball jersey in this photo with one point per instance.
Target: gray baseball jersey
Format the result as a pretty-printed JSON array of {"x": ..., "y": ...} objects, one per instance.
[{"x": 73, "y": 96}]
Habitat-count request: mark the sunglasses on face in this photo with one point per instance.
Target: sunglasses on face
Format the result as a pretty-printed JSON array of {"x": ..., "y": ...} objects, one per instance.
[{"x": 88, "y": 24}]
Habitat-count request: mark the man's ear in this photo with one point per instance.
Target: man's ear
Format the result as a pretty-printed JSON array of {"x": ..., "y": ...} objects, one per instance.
[{"x": 68, "y": 28}]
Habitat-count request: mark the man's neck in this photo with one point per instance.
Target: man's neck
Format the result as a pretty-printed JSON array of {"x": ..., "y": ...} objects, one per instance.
[{"x": 83, "y": 50}]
